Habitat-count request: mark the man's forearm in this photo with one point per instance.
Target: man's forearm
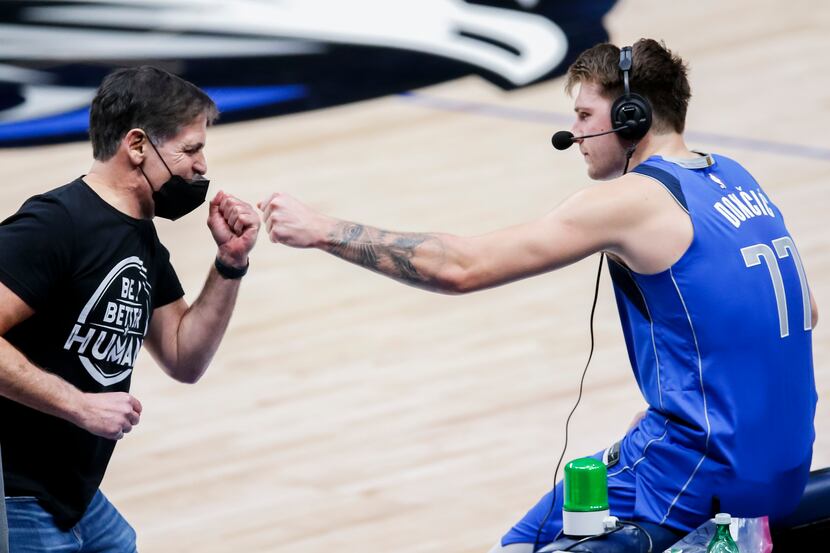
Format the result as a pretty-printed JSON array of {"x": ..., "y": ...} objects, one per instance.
[
  {"x": 203, "y": 326},
  {"x": 416, "y": 259},
  {"x": 25, "y": 383}
]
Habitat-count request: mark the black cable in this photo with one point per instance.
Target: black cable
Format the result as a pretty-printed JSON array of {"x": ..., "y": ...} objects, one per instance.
[
  {"x": 579, "y": 397},
  {"x": 620, "y": 525},
  {"x": 628, "y": 153},
  {"x": 641, "y": 529},
  {"x": 594, "y": 537}
]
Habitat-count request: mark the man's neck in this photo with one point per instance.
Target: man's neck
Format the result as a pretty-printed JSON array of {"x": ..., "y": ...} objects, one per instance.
[
  {"x": 124, "y": 189},
  {"x": 666, "y": 145}
]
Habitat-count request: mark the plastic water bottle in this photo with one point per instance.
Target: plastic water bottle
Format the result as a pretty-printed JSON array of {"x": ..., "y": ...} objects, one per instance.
[{"x": 722, "y": 541}]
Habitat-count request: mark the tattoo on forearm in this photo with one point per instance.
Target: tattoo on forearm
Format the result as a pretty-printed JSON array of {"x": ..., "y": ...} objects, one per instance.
[
  {"x": 388, "y": 253},
  {"x": 350, "y": 246}
]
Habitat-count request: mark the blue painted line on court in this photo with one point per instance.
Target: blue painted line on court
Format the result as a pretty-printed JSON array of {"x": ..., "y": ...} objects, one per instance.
[
  {"x": 546, "y": 117},
  {"x": 228, "y": 99}
]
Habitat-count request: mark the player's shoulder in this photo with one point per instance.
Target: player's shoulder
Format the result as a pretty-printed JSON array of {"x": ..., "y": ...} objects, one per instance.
[
  {"x": 731, "y": 167},
  {"x": 631, "y": 187},
  {"x": 616, "y": 203},
  {"x": 633, "y": 198}
]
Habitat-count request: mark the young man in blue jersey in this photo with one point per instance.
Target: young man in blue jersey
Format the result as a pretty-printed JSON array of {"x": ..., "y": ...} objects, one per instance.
[{"x": 726, "y": 370}]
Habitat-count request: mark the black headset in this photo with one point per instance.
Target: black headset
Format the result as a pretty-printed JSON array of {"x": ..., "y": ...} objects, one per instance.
[
  {"x": 630, "y": 111},
  {"x": 630, "y": 114}
]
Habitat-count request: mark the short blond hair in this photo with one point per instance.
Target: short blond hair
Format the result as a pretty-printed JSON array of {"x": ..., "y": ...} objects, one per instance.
[{"x": 656, "y": 74}]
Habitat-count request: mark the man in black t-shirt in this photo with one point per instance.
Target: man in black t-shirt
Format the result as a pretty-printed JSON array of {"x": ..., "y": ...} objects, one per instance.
[{"x": 84, "y": 283}]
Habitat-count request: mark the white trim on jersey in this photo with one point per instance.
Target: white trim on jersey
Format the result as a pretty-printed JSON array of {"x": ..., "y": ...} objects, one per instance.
[
  {"x": 703, "y": 393},
  {"x": 645, "y": 448},
  {"x": 651, "y": 328}
]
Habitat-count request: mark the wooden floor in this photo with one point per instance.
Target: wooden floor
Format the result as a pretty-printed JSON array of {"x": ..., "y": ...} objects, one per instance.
[{"x": 345, "y": 412}]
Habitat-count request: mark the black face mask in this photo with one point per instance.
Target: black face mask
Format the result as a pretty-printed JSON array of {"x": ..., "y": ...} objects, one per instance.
[{"x": 177, "y": 197}]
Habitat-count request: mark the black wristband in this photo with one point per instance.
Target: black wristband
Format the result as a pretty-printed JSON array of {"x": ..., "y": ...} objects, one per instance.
[{"x": 228, "y": 272}]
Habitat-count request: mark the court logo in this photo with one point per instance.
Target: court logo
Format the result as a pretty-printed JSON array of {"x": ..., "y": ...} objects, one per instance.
[
  {"x": 111, "y": 327},
  {"x": 270, "y": 57}
]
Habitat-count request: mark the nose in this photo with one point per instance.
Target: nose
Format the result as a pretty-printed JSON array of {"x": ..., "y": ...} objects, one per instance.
[{"x": 200, "y": 164}]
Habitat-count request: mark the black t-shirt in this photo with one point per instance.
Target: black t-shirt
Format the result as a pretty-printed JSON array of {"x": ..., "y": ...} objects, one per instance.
[{"x": 93, "y": 276}]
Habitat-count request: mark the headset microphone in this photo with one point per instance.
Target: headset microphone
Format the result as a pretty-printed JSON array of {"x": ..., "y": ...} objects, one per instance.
[{"x": 563, "y": 140}]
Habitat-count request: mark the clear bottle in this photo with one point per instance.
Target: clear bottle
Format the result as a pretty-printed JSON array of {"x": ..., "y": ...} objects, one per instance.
[{"x": 722, "y": 541}]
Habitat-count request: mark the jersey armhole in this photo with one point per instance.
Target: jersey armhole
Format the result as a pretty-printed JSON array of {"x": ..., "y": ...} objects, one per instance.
[{"x": 669, "y": 182}]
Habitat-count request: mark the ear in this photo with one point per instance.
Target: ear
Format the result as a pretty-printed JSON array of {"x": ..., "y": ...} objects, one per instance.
[{"x": 135, "y": 142}]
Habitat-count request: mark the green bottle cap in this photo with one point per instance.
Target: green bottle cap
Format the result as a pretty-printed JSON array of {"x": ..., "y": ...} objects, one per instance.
[{"x": 586, "y": 486}]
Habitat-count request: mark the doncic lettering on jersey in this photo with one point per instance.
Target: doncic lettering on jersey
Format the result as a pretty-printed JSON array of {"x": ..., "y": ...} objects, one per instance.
[{"x": 742, "y": 205}]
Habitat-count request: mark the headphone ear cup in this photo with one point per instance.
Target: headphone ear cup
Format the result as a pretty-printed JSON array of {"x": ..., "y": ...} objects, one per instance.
[{"x": 633, "y": 112}]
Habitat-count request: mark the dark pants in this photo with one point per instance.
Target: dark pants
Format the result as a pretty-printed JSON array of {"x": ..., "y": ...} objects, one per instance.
[{"x": 4, "y": 529}]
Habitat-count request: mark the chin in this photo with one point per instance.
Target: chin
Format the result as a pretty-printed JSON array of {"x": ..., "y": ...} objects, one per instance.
[
  {"x": 607, "y": 176},
  {"x": 604, "y": 173},
  {"x": 599, "y": 174}
]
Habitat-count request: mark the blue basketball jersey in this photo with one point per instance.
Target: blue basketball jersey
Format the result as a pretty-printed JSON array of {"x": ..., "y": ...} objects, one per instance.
[{"x": 721, "y": 347}]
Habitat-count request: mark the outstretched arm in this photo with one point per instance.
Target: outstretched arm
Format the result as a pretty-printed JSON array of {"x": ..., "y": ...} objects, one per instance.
[
  {"x": 412, "y": 258},
  {"x": 455, "y": 264},
  {"x": 587, "y": 222}
]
